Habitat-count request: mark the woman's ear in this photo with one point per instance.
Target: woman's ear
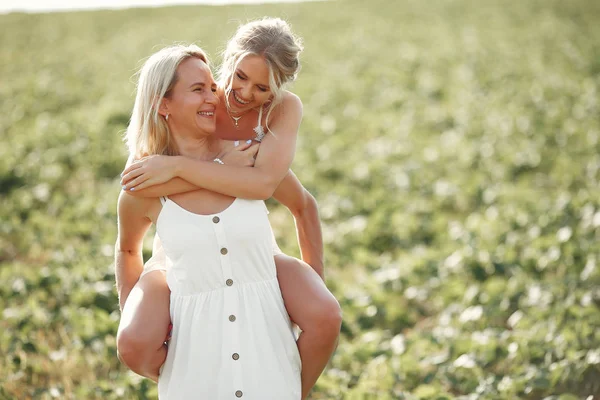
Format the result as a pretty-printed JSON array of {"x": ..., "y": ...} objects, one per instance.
[{"x": 163, "y": 107}]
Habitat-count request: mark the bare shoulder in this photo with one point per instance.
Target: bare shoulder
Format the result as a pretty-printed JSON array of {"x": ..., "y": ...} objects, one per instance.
[
  {"x": 291, "y": 101},
  {"x": 289, "y": 107},
  {"x": 127, "y": 202},
  {"x": 288, "y": 110}
]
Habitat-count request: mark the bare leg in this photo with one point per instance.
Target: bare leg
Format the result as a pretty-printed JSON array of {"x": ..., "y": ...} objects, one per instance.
[
  {"x": 144, "y": 325},
  {"x": 314, "y": 309}
]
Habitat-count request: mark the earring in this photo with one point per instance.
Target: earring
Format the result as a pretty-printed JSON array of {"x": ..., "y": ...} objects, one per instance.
[{"x": 167, "y": 117}]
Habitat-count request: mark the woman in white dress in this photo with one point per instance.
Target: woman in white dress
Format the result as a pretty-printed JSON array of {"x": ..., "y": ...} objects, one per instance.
[
  {"x": 232, "y": 337},
  {"x": 260, "y": 59}
]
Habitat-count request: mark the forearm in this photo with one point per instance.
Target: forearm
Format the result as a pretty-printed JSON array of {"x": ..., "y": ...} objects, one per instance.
[
  {"x": 128, "y": 268},
  {"x": 174, "y": 186},
  {"x": 310, "y": 238},
  {"x": 248, "y": 183}
]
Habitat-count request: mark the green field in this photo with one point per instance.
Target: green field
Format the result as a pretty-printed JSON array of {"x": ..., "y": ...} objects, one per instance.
[{"x": 452, "y": 145}]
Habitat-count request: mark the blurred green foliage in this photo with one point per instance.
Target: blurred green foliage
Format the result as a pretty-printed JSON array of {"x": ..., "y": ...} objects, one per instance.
[{"x": 453, "y": 147}]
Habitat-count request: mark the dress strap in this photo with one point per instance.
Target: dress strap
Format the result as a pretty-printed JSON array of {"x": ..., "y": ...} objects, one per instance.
[
  {"x": 258, "y": 129},
  {"x": 163, "y": 200}
]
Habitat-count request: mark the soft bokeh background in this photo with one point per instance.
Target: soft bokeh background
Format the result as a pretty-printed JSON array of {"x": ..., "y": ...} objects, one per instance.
[{"x": 453, "y": 149}]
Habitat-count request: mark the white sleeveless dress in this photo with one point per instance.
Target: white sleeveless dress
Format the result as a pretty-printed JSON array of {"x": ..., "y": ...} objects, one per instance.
[{"x": 232, "y": 337}]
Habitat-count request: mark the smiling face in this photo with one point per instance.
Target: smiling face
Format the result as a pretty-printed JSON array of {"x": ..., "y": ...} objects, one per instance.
[
  {"x": 192, "y": 101},
  {"x": 249, "y": 84}
]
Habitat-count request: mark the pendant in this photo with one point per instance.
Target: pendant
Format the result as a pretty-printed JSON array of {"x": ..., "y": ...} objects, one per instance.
[{"x": 235, "y": 120}]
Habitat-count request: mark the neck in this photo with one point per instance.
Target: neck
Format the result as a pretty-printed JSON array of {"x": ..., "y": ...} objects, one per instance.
[{"x": 199, "y": 147}]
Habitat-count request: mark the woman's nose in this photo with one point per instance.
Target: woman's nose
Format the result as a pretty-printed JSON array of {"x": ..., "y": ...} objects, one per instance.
[{"x": 213, "y": 98}]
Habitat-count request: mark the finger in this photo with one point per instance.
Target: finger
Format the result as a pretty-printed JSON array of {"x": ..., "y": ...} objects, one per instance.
[
  {"x": 244, "y": 145},
  {"x": 133, "y": 166},
  {"x": 254, "y": 148},
  {"x": 131, "y": 175},
  {"x": 134, "y": 184},
  {"x": 145, "y": 184}
]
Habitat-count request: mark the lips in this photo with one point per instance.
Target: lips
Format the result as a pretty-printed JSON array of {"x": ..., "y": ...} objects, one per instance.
[
  {"x": 206, "y": 113},
  {"x": 238, "y": 99}
]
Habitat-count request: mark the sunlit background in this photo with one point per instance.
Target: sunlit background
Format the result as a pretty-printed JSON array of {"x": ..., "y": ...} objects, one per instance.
[
  {"x": 36, "y": 6},
  {"x": 453, "y": 147}
]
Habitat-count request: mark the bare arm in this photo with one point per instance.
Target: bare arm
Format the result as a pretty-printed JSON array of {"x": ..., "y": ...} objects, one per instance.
[
  {"x": 132, "y": 226},
  {"x": 240, "y": 156},
  {"x": 174, "y": 186},
  {"x": 291, "y": 194},
  {"x": 303, "y": 207},
  {"x": 272, "y": 163}
]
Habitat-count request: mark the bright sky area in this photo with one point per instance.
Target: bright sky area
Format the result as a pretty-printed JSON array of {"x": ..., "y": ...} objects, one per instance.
[{"x": 7, "y": 6}]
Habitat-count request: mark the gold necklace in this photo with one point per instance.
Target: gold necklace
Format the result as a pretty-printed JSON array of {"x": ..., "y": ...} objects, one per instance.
[{"x": 235, "y": 119}]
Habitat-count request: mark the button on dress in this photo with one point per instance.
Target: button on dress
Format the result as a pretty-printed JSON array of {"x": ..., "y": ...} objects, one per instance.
[{"x": 232, "y": 337}]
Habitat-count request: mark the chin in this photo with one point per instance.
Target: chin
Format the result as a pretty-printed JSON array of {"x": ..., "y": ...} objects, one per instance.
[{"x": 210, "y": 129}]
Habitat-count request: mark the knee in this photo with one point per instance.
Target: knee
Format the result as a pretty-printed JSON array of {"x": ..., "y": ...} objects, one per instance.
[
  {"x": 328, "y": 320},
  {"x": 131, "y": 348}
]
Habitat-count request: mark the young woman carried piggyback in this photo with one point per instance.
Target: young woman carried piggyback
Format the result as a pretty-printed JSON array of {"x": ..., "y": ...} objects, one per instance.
[{"x": 178, "y": 162}]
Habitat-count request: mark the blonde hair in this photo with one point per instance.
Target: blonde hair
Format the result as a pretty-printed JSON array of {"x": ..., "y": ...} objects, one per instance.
[
  {"x": 148, "y": 132},
  {"x": 271, "y": 38}
]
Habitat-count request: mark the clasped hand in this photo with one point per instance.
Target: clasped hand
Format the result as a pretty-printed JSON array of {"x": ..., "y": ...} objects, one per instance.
[{"x": 156, "y": 169}]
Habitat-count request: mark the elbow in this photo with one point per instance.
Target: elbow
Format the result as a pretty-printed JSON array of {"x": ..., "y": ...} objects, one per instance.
[
  {"x": 307, "y": 204},
  {"x": 263, "y": 194},
  {"x": 121, "y": 253},
  {"x": 124, "y": 251},
  {"x": 265, "y": 189}
]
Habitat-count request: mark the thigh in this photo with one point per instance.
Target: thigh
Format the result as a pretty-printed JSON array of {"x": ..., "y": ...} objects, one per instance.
[
  {"x": 146, "y": 311},
  {"x": 304, "y": 293}
]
